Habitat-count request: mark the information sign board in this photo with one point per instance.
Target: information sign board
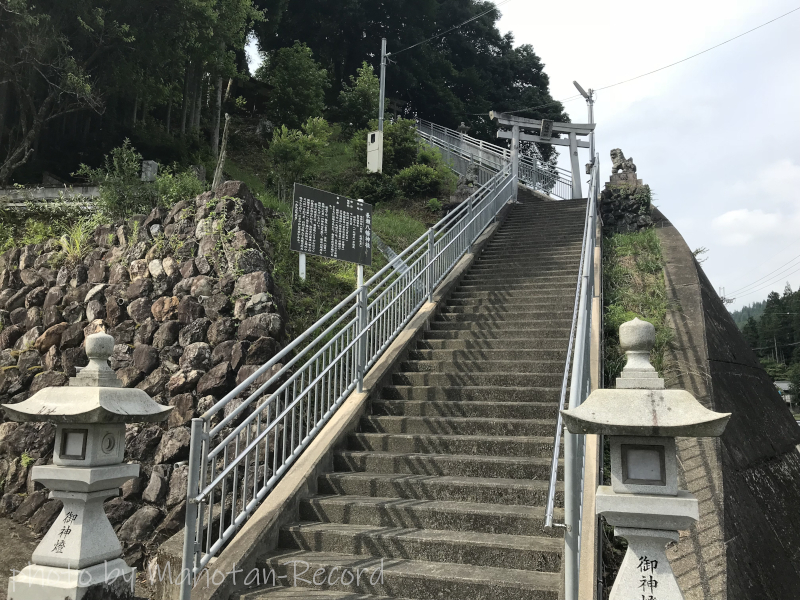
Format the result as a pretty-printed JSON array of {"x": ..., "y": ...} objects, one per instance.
[{"x": 332, "y": 226}]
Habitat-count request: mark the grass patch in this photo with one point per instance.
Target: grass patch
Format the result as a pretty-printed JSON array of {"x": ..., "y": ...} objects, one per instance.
[{"x": 633, "y": 286}]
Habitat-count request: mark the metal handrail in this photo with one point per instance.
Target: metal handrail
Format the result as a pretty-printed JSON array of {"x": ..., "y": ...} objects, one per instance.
[
  {"x": 241, "y": 447},
  {"x": 548, "y": 179},
  {"x": 577, "y": 371}
]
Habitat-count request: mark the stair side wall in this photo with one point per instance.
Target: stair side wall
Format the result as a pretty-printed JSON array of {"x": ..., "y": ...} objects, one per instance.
[{"x": 747, "y": 481}]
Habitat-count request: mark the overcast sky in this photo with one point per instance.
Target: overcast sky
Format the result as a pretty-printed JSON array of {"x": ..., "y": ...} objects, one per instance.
[{"x": 716, "y": 137}]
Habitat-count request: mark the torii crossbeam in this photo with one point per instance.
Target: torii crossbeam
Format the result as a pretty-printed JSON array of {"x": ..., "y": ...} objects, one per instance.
[{"x": 572, "y": 130}]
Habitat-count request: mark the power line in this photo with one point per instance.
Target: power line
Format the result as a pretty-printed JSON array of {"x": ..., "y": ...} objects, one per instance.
[
  {"x": 768, "y": 284},
  {"x": 701, "y": 52},
  {"x": 605, "y": 87},
  {"x": 433, "y": 37},
  {"x": 783, "y": 266},
  {"x": 784, "y": 251}
]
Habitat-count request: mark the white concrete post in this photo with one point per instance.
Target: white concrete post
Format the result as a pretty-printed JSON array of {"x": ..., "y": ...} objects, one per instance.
[
  {"x": 576, "y": 169},
  {"x": 515, "y": 158}
]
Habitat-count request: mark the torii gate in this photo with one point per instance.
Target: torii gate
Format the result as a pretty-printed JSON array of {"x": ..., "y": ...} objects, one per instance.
[{"x": 547, "y": 129}]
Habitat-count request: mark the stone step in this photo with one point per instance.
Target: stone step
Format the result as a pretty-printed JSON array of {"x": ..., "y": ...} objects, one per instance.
[
  {"x": 531, "y": 277},
  {"x": 435, "y": 487},
  {"x": 473, "y": 445},
  {"x": 558, "y": 285},
  {"x": 523, "y": 269},
  {"x": 412, "y": 463},
  {"x": 442, "y": 515},
  {"x": 455, "y": 547},
  {"x": 496, "y": 344},
  {"x": 458, "y": 355},
  {"x": 281, "y": 592},
  {"x": 481, "y": 366},
  {"x": 411, "y": 579},
  {"x": 518, "y": 293},
  {"x": 516, "y": 300},
  {"x": 533, "y": 326},
  {"x": 489, "y": 311},
  {"x": 465, "y": 408},
  {"x": 497, "y": 334},
  {"x": 471, "y": 393},
  {"x": 457, "y": 426},
  {"x": 479, "y": 379}
]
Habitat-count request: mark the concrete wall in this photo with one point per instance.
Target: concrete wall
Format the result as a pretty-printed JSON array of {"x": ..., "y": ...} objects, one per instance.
[{"x": 747, "y": 543}]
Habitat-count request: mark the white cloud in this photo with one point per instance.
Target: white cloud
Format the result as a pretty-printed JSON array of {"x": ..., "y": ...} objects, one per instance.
[{"x": 742, "y": 226}]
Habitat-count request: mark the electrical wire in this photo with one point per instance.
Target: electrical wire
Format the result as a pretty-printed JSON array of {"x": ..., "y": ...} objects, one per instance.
[
  {"x": 701, "y": 52},
  {"x": 782, "y": 267},
  {"x": 605, "y": 87},
  {"x": 438, "y": 35},
  {"x": 768, "y": 284}
]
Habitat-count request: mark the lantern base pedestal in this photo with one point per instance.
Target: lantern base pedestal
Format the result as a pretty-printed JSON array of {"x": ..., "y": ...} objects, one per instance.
[
  {"x": 112, "y": 580},
  {"x": 645, "y": 571}
]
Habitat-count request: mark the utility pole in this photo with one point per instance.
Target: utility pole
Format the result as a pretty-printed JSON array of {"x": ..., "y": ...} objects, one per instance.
[
  {"x": 382, "y": 101},
  {"x": 590, "y": 104}
]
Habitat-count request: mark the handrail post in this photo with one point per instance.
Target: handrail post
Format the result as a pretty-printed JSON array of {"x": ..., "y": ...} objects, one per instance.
[
  {"x": 361, "y": 314},
  {"x": 192, "y": 489},
  {"x": 431, "y": 258}
]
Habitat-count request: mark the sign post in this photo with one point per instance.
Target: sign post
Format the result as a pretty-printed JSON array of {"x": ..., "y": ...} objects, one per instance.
[{"x": 329, "y": 225}]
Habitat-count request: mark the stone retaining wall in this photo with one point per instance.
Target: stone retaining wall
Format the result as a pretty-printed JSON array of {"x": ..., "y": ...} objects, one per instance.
[{"x": 188, "y": 296}]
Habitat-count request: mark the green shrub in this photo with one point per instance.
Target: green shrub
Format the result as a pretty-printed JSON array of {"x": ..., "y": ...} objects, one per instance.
[
  {"x": 295, "y": 154},
  {"x": 76, "y": 242},
  {"x": 374, "y": 188},
  {"x": 172, "y": 186},
  {"x": 434, "y": 205},
  {"x": 417, "y": 181},
  {"x": 122, "y": 191},
  {"x": 358, "y": 101}
]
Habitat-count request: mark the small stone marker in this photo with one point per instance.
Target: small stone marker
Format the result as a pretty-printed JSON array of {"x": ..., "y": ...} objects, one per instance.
[
  {"x": 643, "y": 502},
  {"x": 80, "y": 554},
  {"x": 149, "y": 170}
]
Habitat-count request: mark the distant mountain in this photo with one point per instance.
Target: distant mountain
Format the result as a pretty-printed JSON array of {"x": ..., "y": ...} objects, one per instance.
[{"x": 755, "y": 310}]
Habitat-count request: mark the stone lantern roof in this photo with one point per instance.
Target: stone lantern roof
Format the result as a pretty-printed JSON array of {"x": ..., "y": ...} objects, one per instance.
[
  {"x": 94, "y": 396},
  {"x": 640, "y": 406}
]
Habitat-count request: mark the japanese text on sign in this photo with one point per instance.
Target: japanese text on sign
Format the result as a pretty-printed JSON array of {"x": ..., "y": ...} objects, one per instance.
[{"x": 332, "y": 226}]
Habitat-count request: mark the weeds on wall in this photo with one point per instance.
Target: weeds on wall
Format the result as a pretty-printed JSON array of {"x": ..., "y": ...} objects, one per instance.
[{"x": 633, "y": 286}]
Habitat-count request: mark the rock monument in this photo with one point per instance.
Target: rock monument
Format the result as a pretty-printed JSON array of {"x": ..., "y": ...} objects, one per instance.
[
  {"x": 643, "y": 502},
  {"x": 79, "y": 558}
]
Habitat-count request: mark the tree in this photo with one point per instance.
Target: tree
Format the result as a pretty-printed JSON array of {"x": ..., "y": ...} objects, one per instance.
[
  {"x": 46, "y": 53},
  {"x": 297, "y": 85},
  {"x": 750, "y": 332},
  {"x": 472, "y": 70},
  {"x": 358, "y": 101}
]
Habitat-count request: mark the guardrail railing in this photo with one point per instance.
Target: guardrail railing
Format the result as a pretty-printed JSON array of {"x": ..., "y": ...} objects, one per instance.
[
  {"x": 462, "y": 150},
  {"x": 577, "y": 375},
  {"x": 242, "y": 446}
]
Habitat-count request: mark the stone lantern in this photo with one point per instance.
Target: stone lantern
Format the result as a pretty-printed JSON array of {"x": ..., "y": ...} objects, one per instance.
[
  {"x": 79, "y": 557},
  {"x": 643, "y": 502}
]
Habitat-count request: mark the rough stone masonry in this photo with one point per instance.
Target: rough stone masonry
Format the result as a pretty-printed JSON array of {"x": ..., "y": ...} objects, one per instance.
[{"x": 188, "y": 296}]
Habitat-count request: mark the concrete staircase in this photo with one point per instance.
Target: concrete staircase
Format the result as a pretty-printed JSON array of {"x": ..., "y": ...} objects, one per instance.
[{"x": 444, "y": 485}]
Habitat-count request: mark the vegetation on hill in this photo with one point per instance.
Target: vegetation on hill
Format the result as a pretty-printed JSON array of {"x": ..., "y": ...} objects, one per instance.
[
  {"x": 774, "y": 334},
  {"x": 755, "y": 310},
  {"x": 80, "y": 77}
]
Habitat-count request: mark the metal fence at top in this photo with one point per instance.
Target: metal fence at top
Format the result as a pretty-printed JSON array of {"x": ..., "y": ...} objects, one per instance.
[
  {"x": 242, "y": 446},
  {"x": 577, "y": 376},
  {"x": 462, "y": 150}
]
